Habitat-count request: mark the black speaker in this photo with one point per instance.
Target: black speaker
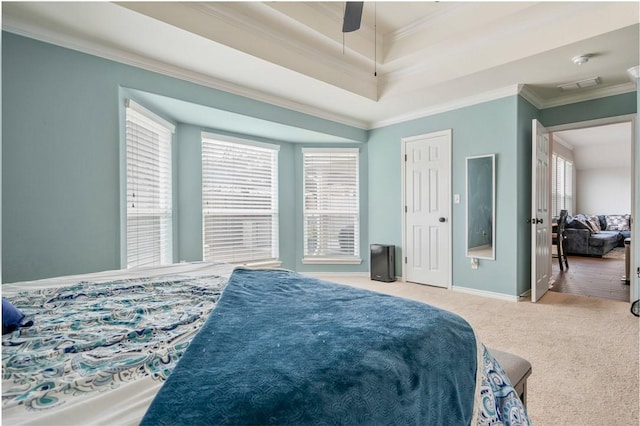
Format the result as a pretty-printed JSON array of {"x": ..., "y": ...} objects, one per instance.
[{"x": 383, "y": 264}]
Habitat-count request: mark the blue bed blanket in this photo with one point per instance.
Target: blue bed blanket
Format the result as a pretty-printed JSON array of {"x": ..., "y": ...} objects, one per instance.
[{"x": 283, "y": 348}]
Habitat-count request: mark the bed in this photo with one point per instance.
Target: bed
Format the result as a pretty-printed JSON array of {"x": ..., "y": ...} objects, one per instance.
[{"x": 203, "y": 343}]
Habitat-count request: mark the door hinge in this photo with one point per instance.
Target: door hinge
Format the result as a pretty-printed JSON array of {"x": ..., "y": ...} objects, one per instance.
[
  {"x": 638, "y": 272},
  {"x": 405, "y": 209},
  {"x": 405, "y": 261},
  {"x": 405, "y": 157}
]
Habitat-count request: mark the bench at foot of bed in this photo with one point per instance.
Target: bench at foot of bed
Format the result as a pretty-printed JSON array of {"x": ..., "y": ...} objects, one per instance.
[{"x": 517, "y": 369}]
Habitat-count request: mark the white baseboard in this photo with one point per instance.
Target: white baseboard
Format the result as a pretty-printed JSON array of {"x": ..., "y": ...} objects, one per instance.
[
  {"x": 526, "y": 295},
  {"x": 486, "y": 293},
  {"x": 335, "y": 274}
]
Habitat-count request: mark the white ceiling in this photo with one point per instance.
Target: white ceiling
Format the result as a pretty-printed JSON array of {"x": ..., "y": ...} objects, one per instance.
[
  {"x": 427, "y": 56},
  {"x": 599, "y": 147}
]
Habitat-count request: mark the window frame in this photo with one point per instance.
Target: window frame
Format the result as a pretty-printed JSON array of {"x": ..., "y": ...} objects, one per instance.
[
  {"x": 253, "y": 147},
  {"x": 562, "y": 198},
  {"x": 327, "y": 258},
  {"x": 164, "y": 130}
]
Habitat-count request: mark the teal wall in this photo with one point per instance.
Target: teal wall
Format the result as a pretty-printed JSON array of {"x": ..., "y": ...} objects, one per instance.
[
  {"x": 611, "y": 106},
  {"x": 62, "y": 168},
  {"x": 488, "y": 128}
]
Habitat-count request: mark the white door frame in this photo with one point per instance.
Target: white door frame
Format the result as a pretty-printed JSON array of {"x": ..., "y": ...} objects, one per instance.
[
  {"x": 404, "y": 141},
  {"x": 635, "y": 234}
]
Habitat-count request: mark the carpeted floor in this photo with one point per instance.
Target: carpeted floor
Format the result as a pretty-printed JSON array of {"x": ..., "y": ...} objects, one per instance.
[{"x": 584, "y": 351}]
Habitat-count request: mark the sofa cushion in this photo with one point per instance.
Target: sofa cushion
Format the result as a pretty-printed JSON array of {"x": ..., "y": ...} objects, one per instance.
[
  {"x": 604, "y": 237},
  {"x": 618, "y": 222}
]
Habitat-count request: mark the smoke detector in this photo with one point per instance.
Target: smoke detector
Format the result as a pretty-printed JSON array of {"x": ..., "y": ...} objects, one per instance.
[{"x": 580, "y": 59}]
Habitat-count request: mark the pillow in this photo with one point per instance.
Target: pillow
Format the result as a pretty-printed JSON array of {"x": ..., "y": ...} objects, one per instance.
[
  {"x": 11, "y": 317},
  {"x": 618, "y": 222},
  {"x": 593, "y": 226},
  {"x": 603, "y": 222},
  {"x": 596, "y": 223},
  {"x": 577, "y": 223}
]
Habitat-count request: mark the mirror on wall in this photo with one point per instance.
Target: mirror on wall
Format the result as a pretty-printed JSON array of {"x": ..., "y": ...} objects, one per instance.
[{"x": 481, "y": 205}]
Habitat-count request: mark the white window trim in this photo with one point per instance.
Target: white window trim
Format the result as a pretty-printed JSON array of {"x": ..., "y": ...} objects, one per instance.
[
  {"x": 161, "y": 126},
  {"x": 554, "y": 193}
]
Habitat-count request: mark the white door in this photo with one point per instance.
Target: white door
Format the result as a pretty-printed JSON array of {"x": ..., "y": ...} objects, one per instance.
[
  {"x": 540, "y": 212},
  {"x": 427, "y": 195}
]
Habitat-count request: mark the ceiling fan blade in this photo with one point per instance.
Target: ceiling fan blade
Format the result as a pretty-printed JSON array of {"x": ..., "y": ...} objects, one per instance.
[{"x": 352, "y": 16}]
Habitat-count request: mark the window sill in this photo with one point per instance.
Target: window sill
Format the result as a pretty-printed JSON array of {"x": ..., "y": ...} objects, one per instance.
[
  {"x": 266, "y": 264},
  {"x": 331, "y": 261}
]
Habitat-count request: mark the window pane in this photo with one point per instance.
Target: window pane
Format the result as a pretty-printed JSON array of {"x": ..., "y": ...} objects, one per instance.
[
  {"x": 331, "y": 204},
  {"x": 149, "y": 190},
  {"x": 239, "y": 202}
]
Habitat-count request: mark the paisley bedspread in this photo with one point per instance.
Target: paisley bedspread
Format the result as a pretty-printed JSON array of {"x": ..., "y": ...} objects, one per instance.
[{"x": 92, "y": 339}]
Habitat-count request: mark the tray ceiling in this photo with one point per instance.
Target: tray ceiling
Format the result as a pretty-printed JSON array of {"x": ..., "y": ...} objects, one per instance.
[{"x": 408, "y": 59}]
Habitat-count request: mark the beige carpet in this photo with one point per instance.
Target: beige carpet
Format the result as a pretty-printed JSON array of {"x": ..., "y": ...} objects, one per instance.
[{"x": 584, "y": 351}]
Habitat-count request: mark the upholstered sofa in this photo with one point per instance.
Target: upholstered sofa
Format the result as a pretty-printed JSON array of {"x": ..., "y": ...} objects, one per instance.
[{"x": 595, "y": 235}]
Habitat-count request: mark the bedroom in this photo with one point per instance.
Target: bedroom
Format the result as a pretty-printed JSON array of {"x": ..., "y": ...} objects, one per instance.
[
  {"x": 73, "y": 166},
  {"x": 90, "y": 238}
]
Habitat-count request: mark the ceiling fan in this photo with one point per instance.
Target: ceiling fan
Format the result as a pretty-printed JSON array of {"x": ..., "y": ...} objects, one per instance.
[{"x": 352, "y": 16}]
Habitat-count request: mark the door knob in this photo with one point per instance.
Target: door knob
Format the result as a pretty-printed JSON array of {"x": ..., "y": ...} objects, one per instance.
[{"x": 442, "y": 219}]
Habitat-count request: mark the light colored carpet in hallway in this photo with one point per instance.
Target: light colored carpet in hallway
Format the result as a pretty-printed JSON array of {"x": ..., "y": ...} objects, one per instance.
[{"x": 584, "y": 351}]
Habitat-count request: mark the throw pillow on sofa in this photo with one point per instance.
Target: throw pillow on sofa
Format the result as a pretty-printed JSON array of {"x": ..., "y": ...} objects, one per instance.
[
  {"x": 595, "y": 229},
  {"x": 577, "y": 222},
  {"x": 596, "y": 223},
  {"x": 618, "y": 222},
  {"x": 603, "y": 222}
]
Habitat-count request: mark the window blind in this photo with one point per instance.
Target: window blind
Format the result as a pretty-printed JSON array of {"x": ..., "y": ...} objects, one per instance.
[
  {"x": 331, "y": 205},
  {"x": 561, "y": 185},
  {"x": 149, "y": 190},
  {"x": 239, "y": 201}
]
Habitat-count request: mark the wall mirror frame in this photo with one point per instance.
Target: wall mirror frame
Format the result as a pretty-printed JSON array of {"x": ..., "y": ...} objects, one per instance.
[{"x": 481, "y": 207}]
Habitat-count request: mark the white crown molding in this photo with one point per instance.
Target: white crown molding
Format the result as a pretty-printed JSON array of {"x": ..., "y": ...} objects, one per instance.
[
  {"x": 558, "y": 139},
  {"x": 123, "y": 57},
  {"x": 255, "y": 26},
  {"x": 450, "y": 106},
  {"x": 530, "y": 96},
  {"x": 477, "y": 43},
  {"x": 420, "y": 25}
]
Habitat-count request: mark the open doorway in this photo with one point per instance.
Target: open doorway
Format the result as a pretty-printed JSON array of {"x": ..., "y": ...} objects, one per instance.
[{"x": 593, "y": 181}]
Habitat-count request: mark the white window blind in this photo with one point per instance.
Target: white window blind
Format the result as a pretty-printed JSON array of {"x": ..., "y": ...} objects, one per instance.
[
  {"x": 149, "y": 193},
  {"x": 331, "y": 205},
  {"x": 561, "y": 185},
  {"x": 239, "y": 201}
]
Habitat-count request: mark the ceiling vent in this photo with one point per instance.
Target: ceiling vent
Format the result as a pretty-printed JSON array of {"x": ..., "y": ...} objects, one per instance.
[{"x": 582, "y": 84}]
